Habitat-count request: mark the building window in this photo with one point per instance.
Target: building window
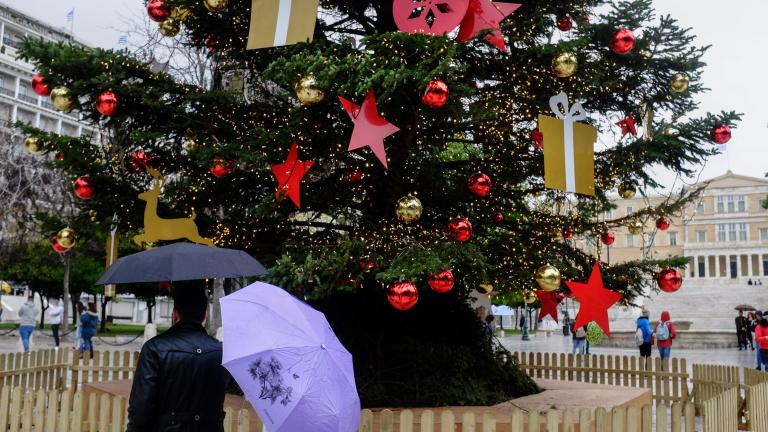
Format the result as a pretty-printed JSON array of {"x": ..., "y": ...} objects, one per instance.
[
  {"x": 731, "y": 204},
  {"x": 702, "y": 269},
  {"x": 590, "y": 243},
  {"x": 764, "y": 234},
  {"x": 630, "y": 240},
  {"x": 743, "y": 229},
  {"x": 721, "y": 232},
  {"x": 731, "y": 232},
  {"x": 609, "y": 214},
  {"x": 721, "y": 204},
  {"x": 765, "y": 267},
  {"x": 700, "y": 208},
  {"x": 741, "y": 203},
  {"x": 673, "y": 238},
  {"x": 630, "y": 210},
  {"x": 701, "y": 236},
  {"x": 763, "y": 204}
]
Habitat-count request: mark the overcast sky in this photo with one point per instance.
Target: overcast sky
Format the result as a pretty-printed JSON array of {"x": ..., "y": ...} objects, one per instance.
[{"x": 735, "y": 73}]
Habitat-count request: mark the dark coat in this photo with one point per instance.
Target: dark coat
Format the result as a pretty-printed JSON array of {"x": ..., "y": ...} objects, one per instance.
[
  {"x": 88, "y": 322},
  {"x": 179, "y": 383}
]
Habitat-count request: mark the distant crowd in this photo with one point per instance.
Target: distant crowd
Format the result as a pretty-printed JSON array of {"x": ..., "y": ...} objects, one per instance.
[
  {"x": 87, "y": 321},
  {"x": 752, "y": 333}
]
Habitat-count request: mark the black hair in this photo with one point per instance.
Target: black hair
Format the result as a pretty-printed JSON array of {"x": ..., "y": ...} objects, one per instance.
[
  {"x": 190, "y": 302},
  {"x": 489, "y": 318}
]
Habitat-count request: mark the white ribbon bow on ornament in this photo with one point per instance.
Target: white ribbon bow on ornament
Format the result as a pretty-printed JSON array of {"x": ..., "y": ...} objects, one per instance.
[{"x": 568, "y": 114}]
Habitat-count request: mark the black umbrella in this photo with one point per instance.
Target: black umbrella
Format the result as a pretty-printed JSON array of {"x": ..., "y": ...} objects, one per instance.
[
  {"x": 181, "y": 261},
  {"x": 745, "y": 307}
]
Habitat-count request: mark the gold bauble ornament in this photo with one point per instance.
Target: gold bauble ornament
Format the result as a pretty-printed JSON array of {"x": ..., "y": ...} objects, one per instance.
[
  {"x": 627, "y": 190},
  {"x": 179, "y": 14},
  {"x": 190, "y": 145},
  {"x": 62, "y": 99},
  {"x": 170, "y": 27},
  {"x": 307, "y": 91},
  {"x": 408, "y": 209},
  {"x": 529, "y": 297},
  {"x": 67, "y": 237},
  {"x": 548, "y": 277},
  {"x": 671, "y": 132},
  {"x": 635, "y": 227},
  {"x": 484, "y": 288},
  {"x": 565, "y": 64},
  {"x": 216, "y": 5},
  {"x": 679, "y": 82},
  {"x": 34, "y": 145}
]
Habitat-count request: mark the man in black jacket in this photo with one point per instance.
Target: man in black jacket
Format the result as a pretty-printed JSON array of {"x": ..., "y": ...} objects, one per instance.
[{"x": 179, "y": 381}]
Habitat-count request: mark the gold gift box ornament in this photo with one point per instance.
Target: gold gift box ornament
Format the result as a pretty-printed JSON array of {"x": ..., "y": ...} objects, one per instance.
[
  {"x": 569, "y": 152},
  {"x": 281, "y": 22}
]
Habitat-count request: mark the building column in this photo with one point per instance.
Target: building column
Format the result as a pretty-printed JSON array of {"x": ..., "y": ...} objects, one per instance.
[
  {"x": 58, "y": 126},
  {"x": 738, "y": 266},
  {"x": 37, "y": 119},
  {"x": 749, "y": 265},
  {"x": 2, "y": 31},
  {"x": 14, "y": 113},
  {"x": 17, "y": 86},
  {"x": 717, "y": 266},
  {"x": 695, "y": 266},
  {"x": 706, "y": 266}
]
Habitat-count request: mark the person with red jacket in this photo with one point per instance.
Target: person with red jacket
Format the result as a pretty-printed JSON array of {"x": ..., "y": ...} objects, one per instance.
[
  {"x": 761, "y": 338},
  {"x": 664, "y": 332}
]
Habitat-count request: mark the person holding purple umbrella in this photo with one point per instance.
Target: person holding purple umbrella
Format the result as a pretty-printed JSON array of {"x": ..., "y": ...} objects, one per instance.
[{"x": 179, "y": 382}]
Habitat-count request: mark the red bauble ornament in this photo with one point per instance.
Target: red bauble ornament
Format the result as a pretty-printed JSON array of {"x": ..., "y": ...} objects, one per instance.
[
  {"x": 355, "y": 176},
  {"x": 57, "y": 246},
  {"x": 84, "y": 187},
  {"x": 367, "y": 265},
  {"x": 608, "y": 238},
  {"x": 220, "y": 169},
  {"x": 538, "y": 139},
  {"x": 669, "y": 280},
  {"x": 107, "y": 103},
  {"x": 623, "y": 41},
  {"x": 140, "y": 161},
  {"x": 441, "y": 282},
  {"x": 39, "y": 85},
  {"x": 460, "y": 229},
  {"x": 59, "y": 156},
  {"x": 479, "y": 184},
  {"x": 565, "y": 23},
  {"x": 663, "y": 223},
  {"x": 498, "y": 217},
  {"x": 403, "y": 295},
  {"x": 211, "y": 43},
  {"x": 568, "y": 233},
  {"x": 435, "y": 94},
  {"x": 721, "y": 134},
  {"x": 158, "y": 11}
]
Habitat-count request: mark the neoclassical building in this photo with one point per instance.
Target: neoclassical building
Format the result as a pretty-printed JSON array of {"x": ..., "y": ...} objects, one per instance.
[
  {"x": 724, "y": 234},
  {"x": 17, "y": 100}
]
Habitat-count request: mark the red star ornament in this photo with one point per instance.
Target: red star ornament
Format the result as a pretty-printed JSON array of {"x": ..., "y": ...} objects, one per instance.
[
  {"x": 483, "y": 15},
  {"x": 289, "y": 176},
  {"x": 370, "y": 128},
  {"x": 627, "y": 126},
  {"x": 549, "y": 303},
  {"x": 595, "y": 300}
]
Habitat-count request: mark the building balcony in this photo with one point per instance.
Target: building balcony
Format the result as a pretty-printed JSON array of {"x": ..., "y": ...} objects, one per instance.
[
  {"x": 28, "y": 98},
  {"x": 6, "y": 91},
  {"x": 717, "y": 246}
]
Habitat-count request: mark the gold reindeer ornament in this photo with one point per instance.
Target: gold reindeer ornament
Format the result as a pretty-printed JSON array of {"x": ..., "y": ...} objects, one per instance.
[{"x": 157, "y": 228}]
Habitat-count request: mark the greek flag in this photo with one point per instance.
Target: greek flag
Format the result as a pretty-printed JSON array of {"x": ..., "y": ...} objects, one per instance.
[
  {"x": 71, "y": 15},
  {"x": 123, "y": 40}
]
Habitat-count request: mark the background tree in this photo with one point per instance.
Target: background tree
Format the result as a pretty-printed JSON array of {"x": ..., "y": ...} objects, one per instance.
[{"x": 345, "y": 246}]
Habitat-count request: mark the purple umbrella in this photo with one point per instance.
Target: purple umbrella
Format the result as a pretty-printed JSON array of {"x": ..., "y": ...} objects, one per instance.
[{"x": 288, "y": 362}]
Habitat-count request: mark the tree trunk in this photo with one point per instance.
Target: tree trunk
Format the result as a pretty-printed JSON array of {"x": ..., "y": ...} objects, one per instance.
[
  {"x": 43, "y": 308},
  {"x": 150, "y": 308},
  {"x": 214, "y": 314},
  {"x": 104, "y": 301},
  {"x": 67, "y": 264}
]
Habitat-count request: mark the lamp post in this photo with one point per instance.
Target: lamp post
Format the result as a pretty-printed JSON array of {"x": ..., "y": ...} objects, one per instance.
[{"x": 525, "y": 319}]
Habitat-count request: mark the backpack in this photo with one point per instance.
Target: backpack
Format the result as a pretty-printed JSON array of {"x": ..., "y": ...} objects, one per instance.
[
  {"x": 581, "y": 333},
  {"x": 639, "y": 337},
  {"x": 662, "y": 332}
]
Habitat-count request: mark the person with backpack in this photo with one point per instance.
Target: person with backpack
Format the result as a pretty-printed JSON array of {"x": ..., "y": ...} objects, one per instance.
[
  {"x": 579, "y": 340},
  {"x": 665, "y": 332},
  {"x": 643, "y": 334}
]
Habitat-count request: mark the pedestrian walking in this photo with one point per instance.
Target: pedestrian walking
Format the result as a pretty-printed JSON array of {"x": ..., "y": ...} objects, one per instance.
[
  {"x": 761, "y": 337},
  {"x": 579, "y": 340},
  {"x": 751, "y": 324},
  {"x": 79, "y": 310},
  {"x": 643, "y": 334},
  {"x": 490, "y": 324},
  {"x": 741, "y": 330},
  {"x": 179, "y": 382},
  {"x": 88, "y": 322},
  {"x": 27, "y": 321},
  {"x": 758, "y": 317},
  {"x": 55, "y": 311},
  {"x": 664, "y": 333}
]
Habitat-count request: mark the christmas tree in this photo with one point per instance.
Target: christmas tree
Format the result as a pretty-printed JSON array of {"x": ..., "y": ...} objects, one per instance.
[{"x": 363, "y": 164}]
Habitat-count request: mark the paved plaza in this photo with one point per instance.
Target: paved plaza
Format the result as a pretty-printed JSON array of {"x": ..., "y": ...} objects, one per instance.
[
  {"x": 562, "y": 344},
  {"x": 10, "y": 342}
]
